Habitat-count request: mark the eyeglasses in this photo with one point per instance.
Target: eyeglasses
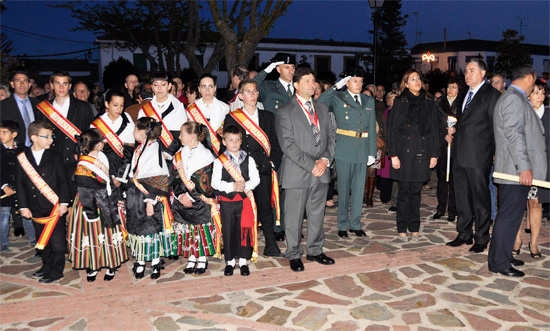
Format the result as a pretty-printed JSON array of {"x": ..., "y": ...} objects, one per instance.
[
  {"x": 248, "y": 92},
  {"x": 47, "y": 137}
]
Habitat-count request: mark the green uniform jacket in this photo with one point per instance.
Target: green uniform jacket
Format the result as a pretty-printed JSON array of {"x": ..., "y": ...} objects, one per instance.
[
  {"x": 351, "y": 116},
  {"x": 273, "y": 94}
]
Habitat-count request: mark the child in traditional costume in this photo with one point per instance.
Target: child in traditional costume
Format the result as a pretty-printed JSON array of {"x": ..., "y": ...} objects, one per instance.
[
  {"x": 194, "y": 205},
  {"x": 96, "y": 235},
  {"x": 234, "y": 177},
  {"x": 43, "y": 196},
  {"x": 149, "y": 218}
]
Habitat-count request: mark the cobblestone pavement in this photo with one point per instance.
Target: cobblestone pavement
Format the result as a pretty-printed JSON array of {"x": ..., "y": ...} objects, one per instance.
[{"x": 377, "y": 283}]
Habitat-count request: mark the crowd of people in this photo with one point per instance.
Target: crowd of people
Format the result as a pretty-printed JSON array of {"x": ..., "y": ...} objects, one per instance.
[{"x": 164, "y": 169}]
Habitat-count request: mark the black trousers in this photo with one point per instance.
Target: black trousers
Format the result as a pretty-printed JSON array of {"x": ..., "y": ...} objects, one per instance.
[
  {"x": 408, "y": 206},
  {"x": 512, "y": 200},
  {"x": 385, "y": 186},
  {"x": 53, "y": 255},
  {"x": 445, "y": 190},
  {"x": 473, "y": 203},
  {"x": 262, "y": 195},
  {"x": 231, "y": 231}
]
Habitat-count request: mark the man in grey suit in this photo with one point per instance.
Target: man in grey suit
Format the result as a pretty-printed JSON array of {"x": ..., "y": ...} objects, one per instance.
[
  {"x": 520, "y": 150},
  {"x": 307, "y": 140}
]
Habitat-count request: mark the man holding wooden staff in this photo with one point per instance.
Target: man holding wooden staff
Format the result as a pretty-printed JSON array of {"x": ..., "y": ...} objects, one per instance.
[{"x": 520, "y": 150}]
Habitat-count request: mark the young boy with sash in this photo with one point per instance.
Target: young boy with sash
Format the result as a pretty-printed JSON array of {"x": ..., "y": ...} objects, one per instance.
[
  {"x": 260, "y": 142},
  {"x": 234, "y": 177},
  {"x": 168, "y": 110},
  {"x": 209, "y": 111},
  {"x": 69, "y": 117},
  {"x": 43, "y": 196}
]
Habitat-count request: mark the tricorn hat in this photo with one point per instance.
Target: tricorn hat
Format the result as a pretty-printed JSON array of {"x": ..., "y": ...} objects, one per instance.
[
  {"x": 284, "y": 57},
  {"x": 353, "y": 72}
]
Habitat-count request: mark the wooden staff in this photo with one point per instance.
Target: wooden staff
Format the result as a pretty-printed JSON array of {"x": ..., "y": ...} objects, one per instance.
[{"x": 514, "y": 178}]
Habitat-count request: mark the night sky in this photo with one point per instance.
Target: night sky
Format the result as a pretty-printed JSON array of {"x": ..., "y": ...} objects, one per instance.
[{"x": 331, "y": 19}]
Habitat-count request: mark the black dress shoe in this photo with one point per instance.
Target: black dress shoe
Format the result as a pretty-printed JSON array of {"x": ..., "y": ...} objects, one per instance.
[
  {"x": 228, "y": 271},
  {"x": 477, "y": 248},
  {"x": 321, "y": 258},
  {"x": 296, "y": 265},
  {"x": 342, "y": 234},
  {"x": 200, "y": 271},
  {"x": 173, "y": 257},
  {"x": 190, "y": 269},
  {"x": 137, "y": 274},
  {"x": 91, "y": 277},
  {"x": 19, "y": 232},
  {"x": 280, "y": 236},
  {"x": 244, "y": 270},
  {"x": 451, "y": 218},
  {"x": 358, "y": 233},
  {"x": 155, "y": 271},
  {"x": 38, "y": 274},
  {"x": 459, "y": 242},
  {"x": 48, "y": 280},
  {"x": 392, "y": 208},
  {"x": 274, "y": 254},
  {"x": 517, "y": 263},
  {"x": 108, "y": 277},
  {"x": 512, "y": 272},
  {"x": 437, "y": 216}
]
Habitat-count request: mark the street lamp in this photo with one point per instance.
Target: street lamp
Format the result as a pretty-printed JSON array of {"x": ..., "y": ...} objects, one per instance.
[{"x": 375, "y": 4}]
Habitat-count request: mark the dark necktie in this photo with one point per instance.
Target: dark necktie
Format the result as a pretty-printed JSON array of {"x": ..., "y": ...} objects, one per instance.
[
  {"x": 357, "y": 100},
  {"x": 288, "y": 90},
  {"x": 26, "y": 118},
  {"x": 314, "y": 128},
  {"x": 468, "y": 100}
]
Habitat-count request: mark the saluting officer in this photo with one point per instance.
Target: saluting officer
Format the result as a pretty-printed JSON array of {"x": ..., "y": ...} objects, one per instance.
[
  {"x": 355, "y": 146},
  {"x": 275, "y": 93}
]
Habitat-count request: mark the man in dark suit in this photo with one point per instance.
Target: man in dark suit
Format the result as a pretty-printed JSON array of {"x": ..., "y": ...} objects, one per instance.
[
  {"x": 20, "y": 107},
  {"x": 264, "y": 148},
  {"x": 76, "y": 112},
  {"x": 472, "y": 154},
  {"x": 521, "y": 150},
  {"x": 307, "y": 140}
]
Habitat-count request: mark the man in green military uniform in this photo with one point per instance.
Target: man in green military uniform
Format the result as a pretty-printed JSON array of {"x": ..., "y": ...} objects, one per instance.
[
  {"x": 355, "y": 146},
  {"x": 275, "y": 93}
]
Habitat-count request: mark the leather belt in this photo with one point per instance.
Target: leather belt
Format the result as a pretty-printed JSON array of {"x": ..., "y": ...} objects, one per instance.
[{"x": 351, "y": 133}]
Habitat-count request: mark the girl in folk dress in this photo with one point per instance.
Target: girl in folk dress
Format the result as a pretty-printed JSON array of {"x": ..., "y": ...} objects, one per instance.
[
  {"x": 96, "y": 236},
  {"x": 194, "y": 205},
  {"x": 149, "y": 218}
]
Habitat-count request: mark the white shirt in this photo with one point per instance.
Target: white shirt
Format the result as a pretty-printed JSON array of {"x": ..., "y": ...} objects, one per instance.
[
  {"x": 255, "y": 118},
  {"x": 305, "y": 108},
  {"x": 64, "y": 108},
  {"x": 126, "y": 136},
  {"x": 214, "y": 112},
  {"x": 227, "y": 187},
  {"x": 540, "y": 111},
  {"x": 37, "y": 155},
  {"x": 474, "y": 91},
  {"x": 285, "y": 84},
  {"x": 175, "y": 119}
]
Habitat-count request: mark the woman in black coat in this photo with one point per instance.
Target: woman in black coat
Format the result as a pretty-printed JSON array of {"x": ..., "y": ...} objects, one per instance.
[{"x": 413, "y": 147}]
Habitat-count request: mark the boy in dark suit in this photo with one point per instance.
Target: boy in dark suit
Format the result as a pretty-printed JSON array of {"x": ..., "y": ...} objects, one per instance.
[
  {"x": 260, "y": 142},
  {"x": 43, "y": 196},
  {"x": 9, "y": 150}
]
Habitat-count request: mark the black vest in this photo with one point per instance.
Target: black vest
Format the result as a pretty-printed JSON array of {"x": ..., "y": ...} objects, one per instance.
[{"x": 226, "y": 177}]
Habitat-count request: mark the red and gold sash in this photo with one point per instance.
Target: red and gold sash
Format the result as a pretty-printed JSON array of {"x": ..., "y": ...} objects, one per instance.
[
  {"x": 261, "y": 137},
  {"x": 214, "y": 208},
  {"x": 167, "y": 216},
  {"x": 165, "y": 135},
  {"x": 236, "y": 175},
  {"x": 59, "y": 120},
  {"x": 51, "y": 220},
  {"x": 195, "y": 114},
  {"x": 110, "y": 136}
]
